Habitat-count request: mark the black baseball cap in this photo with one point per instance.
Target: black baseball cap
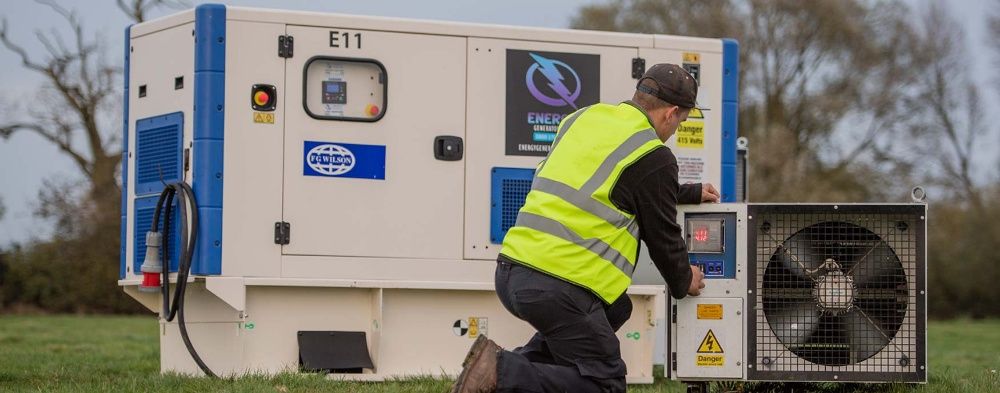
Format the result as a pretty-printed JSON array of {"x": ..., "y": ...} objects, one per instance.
[{"x": 674, "y": 85}]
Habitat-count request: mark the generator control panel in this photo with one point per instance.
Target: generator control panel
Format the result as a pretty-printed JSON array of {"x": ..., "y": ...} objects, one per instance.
[
  {"x": 711, "y": 240},
  {"x": 346, "y": 89}
]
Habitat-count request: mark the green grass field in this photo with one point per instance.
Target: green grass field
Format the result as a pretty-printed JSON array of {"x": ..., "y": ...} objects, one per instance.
[{"x": 120, "y": 354}]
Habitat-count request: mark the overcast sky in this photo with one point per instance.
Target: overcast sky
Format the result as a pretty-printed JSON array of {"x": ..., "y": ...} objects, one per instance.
[{"x": 26, "y": 160}]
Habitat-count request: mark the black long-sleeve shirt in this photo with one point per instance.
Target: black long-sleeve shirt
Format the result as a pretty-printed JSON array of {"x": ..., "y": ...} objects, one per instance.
[{"x": 648, "y": 189}]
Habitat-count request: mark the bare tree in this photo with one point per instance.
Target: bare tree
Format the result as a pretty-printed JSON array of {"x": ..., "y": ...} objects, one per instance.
[
  {"x": 79, "y": 98},
  {"x": 76, "y": 109},
  {"x": 820, "y": 83},
  {"x": 138, "y": 9},
  {"x": 947, "y": 122}
]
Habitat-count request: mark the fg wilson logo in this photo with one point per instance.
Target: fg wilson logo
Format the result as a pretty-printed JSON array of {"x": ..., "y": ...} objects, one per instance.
[
  {"x": 335, "y": 159},
  {"x": 330, "y": 159},
  {"x": 555, "y": 73}
]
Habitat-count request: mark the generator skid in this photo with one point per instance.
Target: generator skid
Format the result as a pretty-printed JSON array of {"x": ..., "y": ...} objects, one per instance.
[
  {"x": 803, "y": 293},
  {"x": 339, "y": 186}
]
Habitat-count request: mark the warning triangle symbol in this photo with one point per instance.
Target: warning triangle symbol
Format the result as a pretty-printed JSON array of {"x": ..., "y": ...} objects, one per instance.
[
  {"x": 710, "y": 344},
  {"x": 695, "y": 113}
]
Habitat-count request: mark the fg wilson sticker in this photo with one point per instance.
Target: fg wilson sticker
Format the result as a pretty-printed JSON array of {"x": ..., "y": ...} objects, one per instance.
[{"x": 333, "y": 159}]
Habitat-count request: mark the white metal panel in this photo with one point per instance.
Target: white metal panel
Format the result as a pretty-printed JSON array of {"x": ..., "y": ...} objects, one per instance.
[
  {"x": 253, "y": 157},
  {"x": 156, "y": 60},
  {"x": 487, "y": 123},
  {"x": 693, "y": 333},
  {"x": 416, "y": 212}
]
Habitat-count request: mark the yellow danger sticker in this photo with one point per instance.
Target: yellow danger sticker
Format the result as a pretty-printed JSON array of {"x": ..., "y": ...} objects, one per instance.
[
  {"x": 696, "y": 113},
  {"x": 473, "y": 327},
  {"x": 710, "y": 344},
  {"x": 709, "y": 311},
  {"x": 712, "y": 351},
  {"x": 477, "y": 326},
  {"x": 263, "y": 117},
  {"x": 690, "y": 57},
  {"x": 710, "y": 360},
  {"x": 691, "y": 134}
]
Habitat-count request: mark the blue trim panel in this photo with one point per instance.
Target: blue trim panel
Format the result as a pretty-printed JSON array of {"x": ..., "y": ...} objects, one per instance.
[
  {"x": 724, "y": 264},
  {"x": 209, "y": 127},
  {"x": 730, "y": 116},
  {"x": 124, "y": 201},
  {"x": 159, "y": 152},
  {"x": 508, "y": 189}
]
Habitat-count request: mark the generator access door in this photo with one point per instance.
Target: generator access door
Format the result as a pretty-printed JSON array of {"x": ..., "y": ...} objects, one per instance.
[{"x": 365, "y": 173}]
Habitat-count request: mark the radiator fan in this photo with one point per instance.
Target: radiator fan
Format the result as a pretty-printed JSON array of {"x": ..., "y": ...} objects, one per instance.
[{"x": 834, "y": 293}]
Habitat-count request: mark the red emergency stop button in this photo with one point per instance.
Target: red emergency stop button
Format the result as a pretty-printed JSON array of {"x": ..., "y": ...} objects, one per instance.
[
  {"x": 263, "y": 97},
  {"x": 372, "y": 110}
]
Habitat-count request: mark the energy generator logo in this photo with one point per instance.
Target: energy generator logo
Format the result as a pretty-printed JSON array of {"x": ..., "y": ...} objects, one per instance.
[
  {"x": 542, "y": 88},
  {"x": 553, "y": 71}
]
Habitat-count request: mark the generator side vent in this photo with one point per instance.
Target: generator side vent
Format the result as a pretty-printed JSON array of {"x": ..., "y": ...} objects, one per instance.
[
  {"x": 838, "y": 293},
  {"x": 158, "y": 152},
  {"x": 509, "y": 188},
  {"x": 143, "y": 219}
]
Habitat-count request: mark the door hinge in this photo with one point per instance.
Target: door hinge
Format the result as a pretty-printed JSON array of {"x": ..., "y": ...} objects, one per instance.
[
  {"x": 282, "y": 232},
  {"x": 638, "y": 67},
  {"x": 673, "y": 314},
  {"x": 286, "y": 46},
  {"x": 673, "y": 361}
]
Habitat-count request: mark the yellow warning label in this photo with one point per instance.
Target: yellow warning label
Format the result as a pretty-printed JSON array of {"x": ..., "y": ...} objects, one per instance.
[
  {"x": 263, "y": 117},
  {"x": 710, "y": 360},
  {"x": 691, "y": 134},
  {"x": 473, "y": 327},
  {"x": 690, "y": 57},
  {"x": 709, "y": 311},
  {"x": 696, "y": 113},
  {"x": 710, "y": 344}
]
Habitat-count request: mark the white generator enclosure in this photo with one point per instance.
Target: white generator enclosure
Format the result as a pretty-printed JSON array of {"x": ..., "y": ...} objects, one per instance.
[
  {"x": 355, "y": 177},
  {"x": 797, "y": 292}
]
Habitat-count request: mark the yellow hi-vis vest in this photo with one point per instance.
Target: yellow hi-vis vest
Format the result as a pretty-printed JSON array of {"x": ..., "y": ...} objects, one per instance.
[{"x": 568, "y": 226}]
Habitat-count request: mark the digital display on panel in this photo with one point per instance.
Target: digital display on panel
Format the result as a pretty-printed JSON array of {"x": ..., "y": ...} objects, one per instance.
[
  {"x": 705, "y": 235},
  {"x": 334, "y": 92}
]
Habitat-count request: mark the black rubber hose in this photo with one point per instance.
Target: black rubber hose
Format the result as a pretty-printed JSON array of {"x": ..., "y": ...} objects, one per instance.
[{"x": 185, "y": 197}]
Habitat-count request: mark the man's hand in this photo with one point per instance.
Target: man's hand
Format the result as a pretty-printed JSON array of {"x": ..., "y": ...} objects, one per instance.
[
  {"x": 697, "y": 281},
  {"x": 709, "y": 193}
]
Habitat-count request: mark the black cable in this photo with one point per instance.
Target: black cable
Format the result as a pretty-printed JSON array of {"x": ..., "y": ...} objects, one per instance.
[{"x": 185, "y": 197}]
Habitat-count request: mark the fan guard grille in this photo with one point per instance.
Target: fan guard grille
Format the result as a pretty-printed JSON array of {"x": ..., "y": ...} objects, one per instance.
[{"x": 836, "y": 291}]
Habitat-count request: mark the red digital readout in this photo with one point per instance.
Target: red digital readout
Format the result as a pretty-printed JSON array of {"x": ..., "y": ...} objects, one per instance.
[{"x": 701, "y": 234}]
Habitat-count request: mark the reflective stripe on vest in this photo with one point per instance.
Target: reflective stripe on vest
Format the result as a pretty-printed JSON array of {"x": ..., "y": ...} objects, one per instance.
[{"x": 568, "y": 226}]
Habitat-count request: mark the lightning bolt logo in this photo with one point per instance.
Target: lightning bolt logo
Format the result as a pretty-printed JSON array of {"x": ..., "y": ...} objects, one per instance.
[{"x": 550, "y": 69}]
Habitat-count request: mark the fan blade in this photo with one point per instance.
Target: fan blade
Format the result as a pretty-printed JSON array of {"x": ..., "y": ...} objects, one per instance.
[
  {"x": 877, "y": 266},
  {"x": 793, "y": 325},
  {"x": 866, "y": 339},
  {"x": 797, "y": 254}
]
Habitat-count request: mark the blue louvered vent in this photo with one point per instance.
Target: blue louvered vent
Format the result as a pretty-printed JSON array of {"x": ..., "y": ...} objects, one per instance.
[
  {"x": 509, "y": 188},
  {"x": 158, "y": 152},
  {"x": 143, "y": 216}
]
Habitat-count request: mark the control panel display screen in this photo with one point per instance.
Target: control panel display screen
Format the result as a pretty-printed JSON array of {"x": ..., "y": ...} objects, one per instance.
[
  {"x": 334, "y": 92},
  {"x": 705, "y": 235}
]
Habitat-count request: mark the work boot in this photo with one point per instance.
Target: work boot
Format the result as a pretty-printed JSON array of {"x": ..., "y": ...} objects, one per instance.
[{"x": 479, "y": 370}]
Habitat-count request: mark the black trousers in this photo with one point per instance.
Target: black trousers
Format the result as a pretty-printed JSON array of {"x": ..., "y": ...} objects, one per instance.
[{"x": 575, "y": 348}]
